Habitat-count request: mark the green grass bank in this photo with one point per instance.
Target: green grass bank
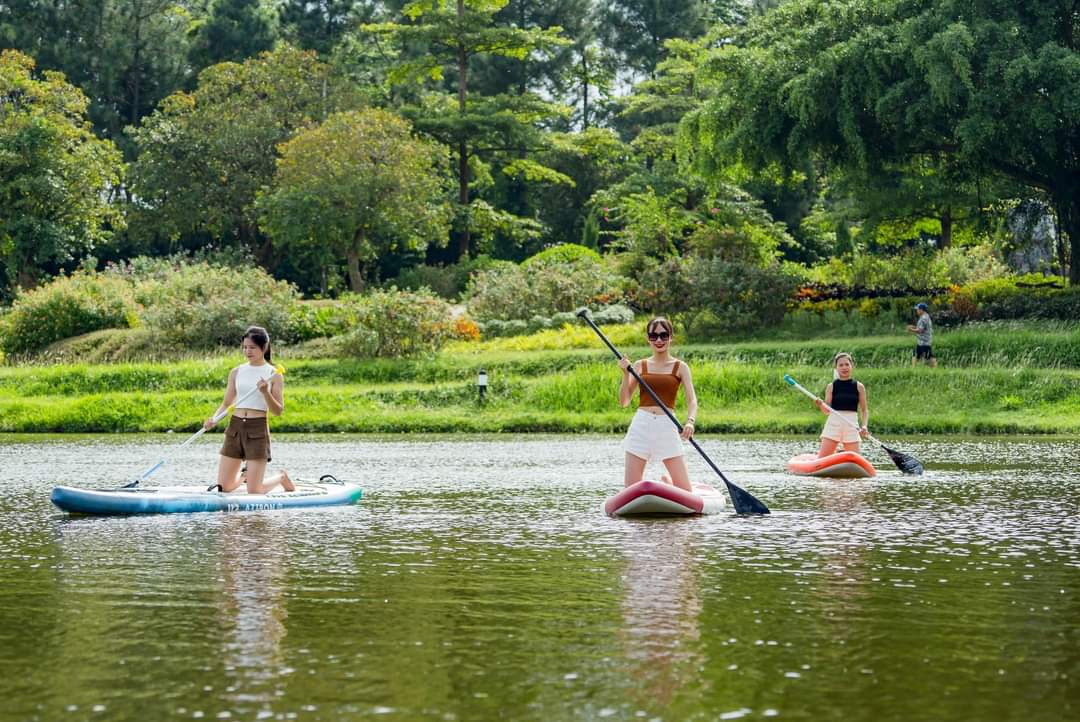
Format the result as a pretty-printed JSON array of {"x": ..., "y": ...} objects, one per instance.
[{"x": 993, "y": 380}]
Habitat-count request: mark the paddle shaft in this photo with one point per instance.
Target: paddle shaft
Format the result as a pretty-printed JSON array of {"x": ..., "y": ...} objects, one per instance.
[
  {"x": 736, "y": 492},
  {"x": 217, "y": 417}
]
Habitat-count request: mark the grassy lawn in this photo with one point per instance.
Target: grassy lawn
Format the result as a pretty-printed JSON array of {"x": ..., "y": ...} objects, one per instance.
[{"x": 1017, "y": 378}]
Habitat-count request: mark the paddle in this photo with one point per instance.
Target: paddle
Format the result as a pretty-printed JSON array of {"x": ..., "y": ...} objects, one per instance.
[
  {"x": 278, "y": 371},
  {"x": 743, "y": 501},
  {"x": 904, "y": 462}
]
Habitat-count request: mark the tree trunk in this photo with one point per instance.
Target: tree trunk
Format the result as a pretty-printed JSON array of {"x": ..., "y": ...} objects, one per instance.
[
  {"x": 1069, "y": 222},
  {"x": 946, "y": 228},
  {"x": 463, "y": 151},
  {"x": 25, "y": 278},
  {"x": 585, "y": 89},
  {"x": 356, "y": 273}
]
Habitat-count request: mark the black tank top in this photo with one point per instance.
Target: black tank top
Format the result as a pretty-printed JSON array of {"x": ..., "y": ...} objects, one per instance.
[{"x": 845, "y": 395}]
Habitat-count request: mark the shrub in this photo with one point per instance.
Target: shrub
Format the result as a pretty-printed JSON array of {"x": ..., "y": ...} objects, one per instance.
[
  {"x": 449, "y": 281},
  {"x": 516, "y": 293},
  {"x": 912, "y": 269},
  {"x": 738, "y": 296},
  {"x": 613, "y": 314},
  {"x": 395, "y": 324},
  {"x": 201, "y": 305},
  {"x": 323, "y": 319},
  {"x": 67, "y": 306},
  {"x": 563, "y": 253}
]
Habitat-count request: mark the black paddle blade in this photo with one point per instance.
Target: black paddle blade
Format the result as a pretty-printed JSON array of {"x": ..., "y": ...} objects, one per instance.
[
  {"x": 745, "y": 502},
  {"x": 904, "y": 462}
]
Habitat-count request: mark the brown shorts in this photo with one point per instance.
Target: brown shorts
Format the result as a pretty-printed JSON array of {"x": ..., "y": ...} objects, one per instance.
[{"x": 247, "y": 439}]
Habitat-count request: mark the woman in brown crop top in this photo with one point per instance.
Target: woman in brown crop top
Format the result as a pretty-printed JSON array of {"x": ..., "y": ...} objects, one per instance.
[{"x": 651, "y": 434}]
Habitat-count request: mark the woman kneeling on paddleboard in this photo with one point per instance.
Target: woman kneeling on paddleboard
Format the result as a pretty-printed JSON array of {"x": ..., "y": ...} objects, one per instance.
[
  {"x": 651, "y": 434},
  {"x": 847, "y": 397},
  {"x": 247, "y": 438}
]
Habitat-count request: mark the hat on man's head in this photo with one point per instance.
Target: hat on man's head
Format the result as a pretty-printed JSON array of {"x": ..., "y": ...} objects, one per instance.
[{"x": 922, "y": 306}]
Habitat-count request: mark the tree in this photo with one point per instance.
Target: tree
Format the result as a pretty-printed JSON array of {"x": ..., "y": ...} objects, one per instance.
[
  {"x": 55, "y": 174},
  {"x": 319, "y": 24},
  {"x": 204, "y": 155},
  {"x": 990, "y": 85},
  {"x": 234, "y": 31},
  {"x": 450, "y": 34},
  {"x": 356, "y": 188},
  {"x": 126, "y": 55},
  {"x": 636, "y": 30}
]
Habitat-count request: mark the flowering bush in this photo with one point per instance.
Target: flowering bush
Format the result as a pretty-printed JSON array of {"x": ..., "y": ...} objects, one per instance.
[
  {"x": 201, "y": 305},
  {"x": 394, "y": 324},
  {"x": 543, "y": 288},
  {"x": 738, "y": 296},
  {"x": 67, "y": 306}
]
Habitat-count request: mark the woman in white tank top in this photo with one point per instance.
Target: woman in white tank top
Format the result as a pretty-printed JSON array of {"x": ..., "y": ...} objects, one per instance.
[{"x": 246, "y": 450}]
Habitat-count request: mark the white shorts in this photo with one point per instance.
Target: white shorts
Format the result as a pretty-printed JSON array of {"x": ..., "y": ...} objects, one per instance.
[
  {"x": 837, "y": 430},
  {"x": 652, "y": 437}
]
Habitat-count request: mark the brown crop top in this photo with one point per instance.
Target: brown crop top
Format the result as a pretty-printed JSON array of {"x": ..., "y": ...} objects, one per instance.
[{"x": 666, "y": 386}]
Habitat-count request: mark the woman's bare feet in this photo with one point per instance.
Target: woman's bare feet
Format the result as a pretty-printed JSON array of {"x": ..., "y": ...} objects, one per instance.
[
  {"x": 665, "y": 479},
  {"x": 286, "y": 482}
]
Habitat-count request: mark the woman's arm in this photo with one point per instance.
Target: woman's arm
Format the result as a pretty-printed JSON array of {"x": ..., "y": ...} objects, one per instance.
[
  {"x": 628, "y": 383},
  {"x": 274, "y": 393},
  {"x": 827, "y": 402},
  {"x": 864, "y": 407},
  {"x": 691, "y": 403},
  {"x": 230, "y": 396}
]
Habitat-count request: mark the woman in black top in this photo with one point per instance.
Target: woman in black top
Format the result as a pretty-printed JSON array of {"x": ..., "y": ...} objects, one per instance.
[{"x": 847, "y": 397}]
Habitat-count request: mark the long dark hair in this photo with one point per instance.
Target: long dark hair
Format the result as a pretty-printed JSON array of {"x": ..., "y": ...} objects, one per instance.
[{"x": 260, "y": 338}]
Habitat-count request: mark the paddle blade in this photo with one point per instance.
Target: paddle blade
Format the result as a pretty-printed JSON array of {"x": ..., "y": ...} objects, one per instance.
[
  {"x": 904, "y": 462},
  {"x": 745, "y": 502},
  {"x": 790, "y": 381}
]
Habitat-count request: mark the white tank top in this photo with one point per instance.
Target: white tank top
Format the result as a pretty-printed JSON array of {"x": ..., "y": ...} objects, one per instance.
[{"x": 247, "y": 378}]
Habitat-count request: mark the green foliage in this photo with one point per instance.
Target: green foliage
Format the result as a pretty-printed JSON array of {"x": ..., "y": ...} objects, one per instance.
[
  {"x": 67, "y": 306},
  {"x": 125, "y": 56},
  {"x": 868, "y": 85},
  {"x": 912, "y": 269},
  {"x": 398, "y": 324},
  {"x": 449, "y": 281},
  {"x": 562, "y": 253},
  {"x": 605, "y": 315},
  {"x": 497, "y": 130},
  {"x": 54, "y": 173},
  {"x": 513, "y": 292},
  {"x": 711, "y": 295},
  {"x": 203, "y": 306},
  {"x": 234, "y": 31},
  {"x": 324, "y": 319},
  {"x": 357, "y": 188},
  {"x": 204, "y": 155}
]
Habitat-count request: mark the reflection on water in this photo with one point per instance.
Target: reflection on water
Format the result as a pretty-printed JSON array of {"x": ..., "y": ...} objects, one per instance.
[
  {"x": 660, "y": 609},
  {"x": 478, "y": 580},
  {"x": 252, "y": 554}
]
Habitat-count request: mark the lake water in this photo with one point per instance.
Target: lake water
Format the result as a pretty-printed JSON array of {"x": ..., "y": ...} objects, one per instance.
[{"x": 479, "y": 580}]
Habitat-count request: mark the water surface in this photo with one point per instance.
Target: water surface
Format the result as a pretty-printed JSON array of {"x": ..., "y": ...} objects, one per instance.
[{"x": 479, "y": 580}]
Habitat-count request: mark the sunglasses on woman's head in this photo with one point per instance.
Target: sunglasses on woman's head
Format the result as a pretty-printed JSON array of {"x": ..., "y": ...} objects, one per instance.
[{"x": 661, "y": 336}]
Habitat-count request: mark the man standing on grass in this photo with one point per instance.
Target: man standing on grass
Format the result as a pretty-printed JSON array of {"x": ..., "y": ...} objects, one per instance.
[{"x": 924, "y": 336}]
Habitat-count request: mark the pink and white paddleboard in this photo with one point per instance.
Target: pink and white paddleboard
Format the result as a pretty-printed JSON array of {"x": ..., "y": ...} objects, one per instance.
[{"x": 655, "y": 497}]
